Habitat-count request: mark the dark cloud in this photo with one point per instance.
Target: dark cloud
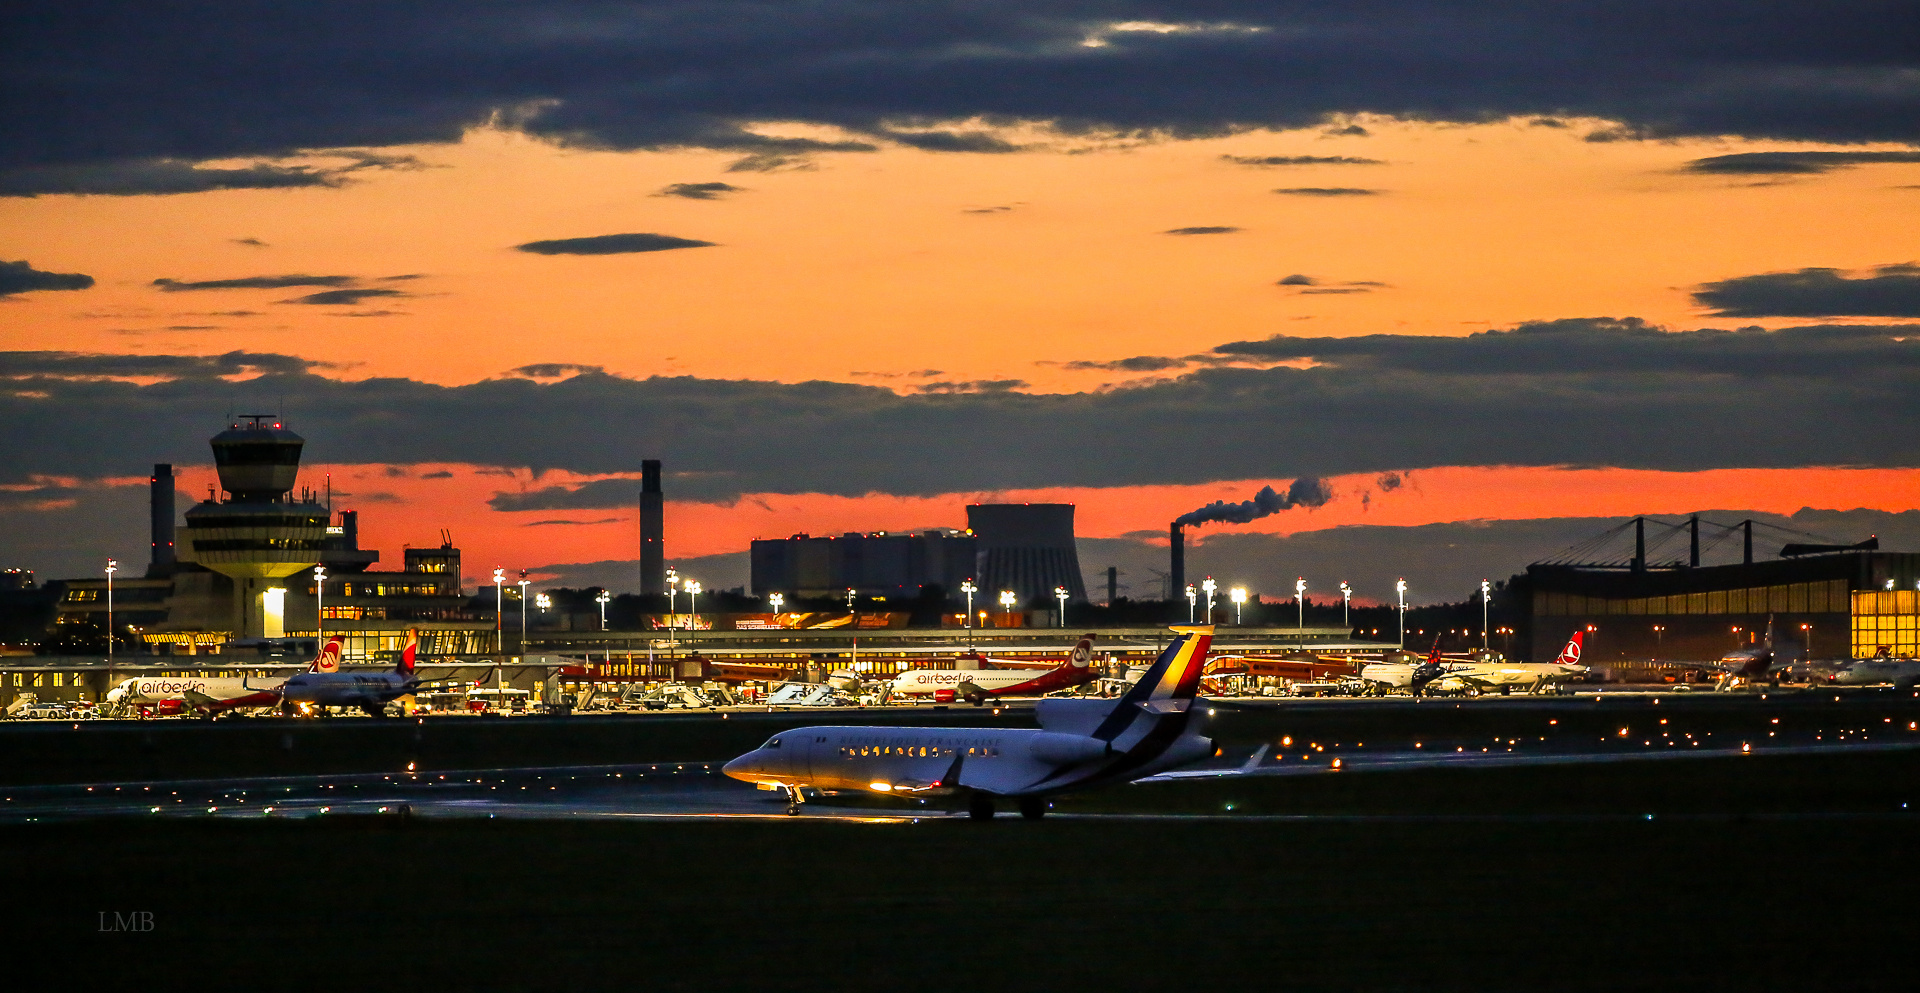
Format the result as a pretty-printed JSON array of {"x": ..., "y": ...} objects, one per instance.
[
  {"x": 1297, "y": 279},
  {"x": 603, "y": 520},
  {"x": 1138, "y": 363},
  {"x": 1306, "y": 491},
  {"x": 1295, "y": 160},
  {"x": 437, "y": 474},
  {"x": 1574, "y": 392},
  {"x": 349, "y": 297},
  {"x": 556, "y": 370},
  {"x": 1892, "y": 291},
  {"x": 249, "y": 242},
  {"x": 1202, "y": 230},
  {"x": 252, "y": 283},
  {"x": 161, "y": 176},
  {"x": 86, "y": 365},
  {"x": 953, "y": 141},
  {"x": 119, "y": 88},
  {"x": 1327, "y": 191},
  {"x": 1350, "y": 131},
  {"x": 19, "y": 277},
  {"x": 698, "y": 191},
  {"x": 596, "y": 495},
  {"x": 973, "y": 386},
  {"x": 611, "y": 244},
  {"x": 1335, "y": 290},
  {"x": 985, "y": 210},
  {"x": 1389, "y": 481},
  {"x": 1792, "y": 163},
  {"x": 772, "y": 162}
]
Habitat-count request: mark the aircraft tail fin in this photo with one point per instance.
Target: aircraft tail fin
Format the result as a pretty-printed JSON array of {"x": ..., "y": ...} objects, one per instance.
[
  {"x": 329, "y": 658},
  {"x": 1570, "y": 655},
  {"x": 1168, "y": 686},
  {"x": 405, "y": 667},
  {"x": 1082, "y": 653}
]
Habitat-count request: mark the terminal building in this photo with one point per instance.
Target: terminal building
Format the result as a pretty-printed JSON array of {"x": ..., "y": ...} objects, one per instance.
[
  {"x": 1025, "y": 548},
  {"x": 1837, "y": 601}
]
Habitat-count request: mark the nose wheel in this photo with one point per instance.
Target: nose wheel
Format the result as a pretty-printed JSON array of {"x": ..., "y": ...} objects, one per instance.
[{"x": 793, "y": 801}]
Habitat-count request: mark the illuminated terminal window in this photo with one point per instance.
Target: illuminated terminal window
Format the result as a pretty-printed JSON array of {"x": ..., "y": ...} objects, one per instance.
[
  {"x": 1887, "y": 619},
  {"x": 1826, "y": 597}
]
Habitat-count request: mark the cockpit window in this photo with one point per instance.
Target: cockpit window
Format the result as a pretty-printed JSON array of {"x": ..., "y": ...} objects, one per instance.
[{"x": 772, "y": 743}]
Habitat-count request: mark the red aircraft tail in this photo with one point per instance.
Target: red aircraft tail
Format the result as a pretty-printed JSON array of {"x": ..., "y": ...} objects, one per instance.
[{"x": 1570, "y": 655}]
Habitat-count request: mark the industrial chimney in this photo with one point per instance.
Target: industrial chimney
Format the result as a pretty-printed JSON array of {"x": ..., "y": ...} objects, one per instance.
[
  {"x": 653, "y": 557},
  {"x": 1177, "y": 573},
  {"x": 160, "y": 511}
]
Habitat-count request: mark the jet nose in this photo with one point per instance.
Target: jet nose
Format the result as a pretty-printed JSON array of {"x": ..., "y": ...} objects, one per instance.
[{"x": 741, "y": 768}]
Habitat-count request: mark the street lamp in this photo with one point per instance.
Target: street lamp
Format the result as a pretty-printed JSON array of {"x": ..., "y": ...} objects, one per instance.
[
  {"x": 1060, "y": 594},
  {"x": 1239, "y": 597},
  {"x": 1209, "y": 586},
  {"x": 967, "y": 587},
  {"x": 693, "y": 592},
  {"x": 1400, "y": 588},
  {"x": 499, "y": 637},
  {"x": 1191, "y": 597},
  {"x": 1300, "y": 595},
  {"x": 1806, "y": 631},
  {"x": 1486, "y": 637},
  {"x": 776, "y": 600},
  {"x": 1007, "y": 600},
  {"x": 319, "y": 606},
  {"x": 523, "y": 612},
  {"x": 113, "y": 566},
  {"x": 1659, "y": 630},
  {"x": 1346, "y": 601},
  {"x": 1736, "y": 636},
  {"x": 850, "y": 594},
  {"x": 673, "y": 586},
  {"x": 602, "y": 600}
]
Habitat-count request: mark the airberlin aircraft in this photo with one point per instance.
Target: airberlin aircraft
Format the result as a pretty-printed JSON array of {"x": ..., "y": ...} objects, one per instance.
[
  {"x": 370, "y": 691},
  {"x": 1082, "y": 744},
  {"x": 209, "y": 695},
  {"x": 977, "y": 686}
]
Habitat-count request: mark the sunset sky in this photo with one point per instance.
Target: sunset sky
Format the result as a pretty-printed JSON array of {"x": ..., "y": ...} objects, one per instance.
[{"x": 850, "y": 267}]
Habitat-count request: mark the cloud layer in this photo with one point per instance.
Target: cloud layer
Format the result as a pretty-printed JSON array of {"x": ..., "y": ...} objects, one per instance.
[
  {"x": 1593, "y": 392},
  {"x": 138, "y": 93},
  {"x": 611, "y": 244},
  {"x": 20, "y": 277}
]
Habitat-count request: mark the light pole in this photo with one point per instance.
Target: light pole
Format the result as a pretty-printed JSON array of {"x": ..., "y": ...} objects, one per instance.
[
  {"x": 1239, "y": 597},
  {"x": 1007, "y": 600},
  {"x": 694, "y": 590},
  {"x": 1486, "y": 637},
  {"x": 1400, "y": 587},
  {"x": 1208, "y": 585},
  {"x": 1659, "y": 630},
  {"x": 523, "y": 612},
  {"x": 850, "y": 595},
  {"x": 602, "y": 601},
  {"x": 1191, "y": 599},
  {"x": 1300, "y": 595},
  {"x": 776, "y": 600},
  {"x": 319, "y": 607},
  {"x": 967, "y": 587},
  {"x": 1060, "y": 594},
  {"x": 1807, "y": 631},
  {"x": 673, "y": 587},
  {"x": 1346, "y": 603},
  {"x": 499, "y": 632},
  {"x": 113, "y": 566}
]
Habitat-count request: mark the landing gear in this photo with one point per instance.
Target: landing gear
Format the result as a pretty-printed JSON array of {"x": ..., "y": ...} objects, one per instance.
[
  {"x": 1033, "y": 808},
  {"x": 793, "y": 801},
  {"x": 980, "y": 807}
]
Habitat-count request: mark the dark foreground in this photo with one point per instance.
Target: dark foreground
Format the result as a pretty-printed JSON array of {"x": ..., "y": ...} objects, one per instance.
[{"x": 1821, "y": 899}]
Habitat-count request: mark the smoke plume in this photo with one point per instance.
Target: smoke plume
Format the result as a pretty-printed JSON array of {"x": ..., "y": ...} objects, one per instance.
[{"x": 1307, "y": 491}]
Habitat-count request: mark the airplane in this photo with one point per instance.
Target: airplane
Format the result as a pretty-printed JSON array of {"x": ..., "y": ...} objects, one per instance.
[
  {"x": 1903, "y": 673},
  {"x": 1396, "y": 670},
  {"x": 370, "y": 691},
  {"x": 209, "y": 696},
  {"x": 977, "y": 686},
  {"x": 1082, "y": 743},
  {"x": 1756, "y": 661},
  {"x": 1494, "y": 673}
]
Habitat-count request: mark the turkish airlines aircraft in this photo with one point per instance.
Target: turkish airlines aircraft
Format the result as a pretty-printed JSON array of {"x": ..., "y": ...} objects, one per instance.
[
  {"x": 370, "y": 691},
  {"x": 209, "y": 695},
  {"x": 1503, "y": 676},
  {"x": 977, "y": 686},
  {"x": 1081, "y": 744}
]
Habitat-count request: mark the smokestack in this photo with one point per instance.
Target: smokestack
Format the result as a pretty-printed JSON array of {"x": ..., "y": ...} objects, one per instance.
[
  {"x": 1177, "y": 573},
  {"x": 160, "y": 509},
  {"x": 350, "y": 530},
  {"x": 653, "y": 551}
]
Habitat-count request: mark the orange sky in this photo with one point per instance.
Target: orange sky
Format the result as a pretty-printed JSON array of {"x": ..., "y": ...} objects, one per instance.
[
  {"x": 397, "y": 510},
  {"x": 869, "y": 263}
]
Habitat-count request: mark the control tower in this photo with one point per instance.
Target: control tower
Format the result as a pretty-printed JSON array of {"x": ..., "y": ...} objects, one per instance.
[{"x": 257, "y": 532}]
